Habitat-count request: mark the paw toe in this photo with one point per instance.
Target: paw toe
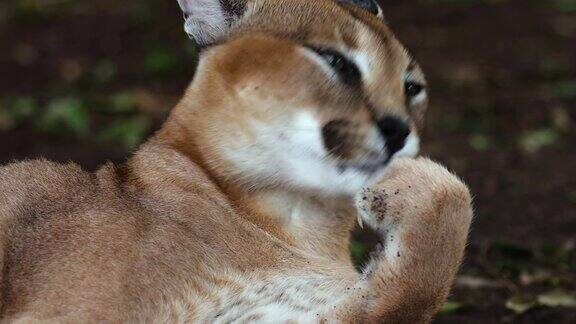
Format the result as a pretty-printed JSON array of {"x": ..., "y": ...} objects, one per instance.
[{"x": 373, "y": 206}]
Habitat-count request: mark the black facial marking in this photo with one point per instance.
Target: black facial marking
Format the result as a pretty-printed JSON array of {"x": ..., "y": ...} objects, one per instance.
[
  {"x": 369, "y": 5},
  {"x": 334, "y": 135},
  {"x": 347, "y": 70},
  {"x": 413, "y": 89},
  {"x": 233, "y": 8}
]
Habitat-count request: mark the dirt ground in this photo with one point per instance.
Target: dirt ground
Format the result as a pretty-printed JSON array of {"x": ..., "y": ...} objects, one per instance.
[{"x": 88, "y": 81}]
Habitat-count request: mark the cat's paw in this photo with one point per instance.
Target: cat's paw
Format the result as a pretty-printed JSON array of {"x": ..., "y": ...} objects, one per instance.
[{"x": 409, "y": 187}]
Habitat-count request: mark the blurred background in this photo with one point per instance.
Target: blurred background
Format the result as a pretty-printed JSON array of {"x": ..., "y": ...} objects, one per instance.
[{"x": 87, "y": 81}]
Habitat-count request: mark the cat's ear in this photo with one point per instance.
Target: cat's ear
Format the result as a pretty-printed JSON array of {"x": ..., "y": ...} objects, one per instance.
[
  {"x": 369, "y": 5},
  {"x": 206, "y": 21}
]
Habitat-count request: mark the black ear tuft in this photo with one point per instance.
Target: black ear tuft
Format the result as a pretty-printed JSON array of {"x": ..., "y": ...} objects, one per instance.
[
  {"x": 369, "y": 5},
  {"x": 233, "y": 8}
]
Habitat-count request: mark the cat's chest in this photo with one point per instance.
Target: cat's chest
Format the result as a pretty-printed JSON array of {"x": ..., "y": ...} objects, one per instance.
[{"x": 273, "y": 300}]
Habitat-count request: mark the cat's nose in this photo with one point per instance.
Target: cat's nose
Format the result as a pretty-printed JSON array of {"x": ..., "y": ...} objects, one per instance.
[{"x": 395, "y": 131}]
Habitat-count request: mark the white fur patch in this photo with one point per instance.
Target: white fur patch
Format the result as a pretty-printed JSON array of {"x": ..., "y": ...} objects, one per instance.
[
  {"x": 380, "y": 13},
  {"x": 362, "y": 61},
  {"x": 292, "y": 152},
  {"x": 308, "y": 134},
  {"x": 411, "y": 148},
  {"x": 301, "y": 297},
  {"x": 392, "y": 247},
  {"x": 419, "y": 98},
  {"x": 310, "y": 168},
  {"x": 205, "y": 20}
]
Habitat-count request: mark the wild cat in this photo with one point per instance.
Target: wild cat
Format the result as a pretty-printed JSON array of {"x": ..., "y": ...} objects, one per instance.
[{"x": 301, "y": 120}]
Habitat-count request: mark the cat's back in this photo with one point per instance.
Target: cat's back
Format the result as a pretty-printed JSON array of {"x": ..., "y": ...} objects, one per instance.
[
  {"x": 35, "y": 188},
  {"x": 59, "y": 227}
]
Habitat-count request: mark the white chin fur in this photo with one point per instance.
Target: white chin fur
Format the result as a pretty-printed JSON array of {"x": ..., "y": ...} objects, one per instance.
[
  {"x": 327, "y": 177},
  {"x": 411, "y": 148},
  {"x": 293, "y": 153},
  {"x": 304, "y": 165},
  {"x": 311, "y": 171}
]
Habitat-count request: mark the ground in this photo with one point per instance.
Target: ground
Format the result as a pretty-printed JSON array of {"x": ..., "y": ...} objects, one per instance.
[{"x": 87, "y": 81}]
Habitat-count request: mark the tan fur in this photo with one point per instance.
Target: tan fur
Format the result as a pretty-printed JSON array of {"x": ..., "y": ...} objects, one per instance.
[{"x": 182, "y": 233}]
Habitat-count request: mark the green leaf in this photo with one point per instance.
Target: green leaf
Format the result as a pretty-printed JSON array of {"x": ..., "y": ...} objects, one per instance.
[
  {"x": 105, "y": 72},
  {"x": 68, "y": 112},
  {"x": 128, "y": 131},
  {"x": 123, "y": 102},
  {"x": 553, "y": 254},
  {"x": 519, "y": 304},
  {"x": 536, "y": 140},
  {"x": 565, "y": 90},
  {"x": 557, "y": 298},
  {"x": 530, "y": 277},
  {"x": 450, "y": 307},
  {"x": 160, "y": 62},
  {"x": 565, "y": 5},
  {"x": 24, "y": 108},
  {"x": 14, "y": 111},
  {"x": 561, "y": 119},
  {"x": 479, "y": 142}
]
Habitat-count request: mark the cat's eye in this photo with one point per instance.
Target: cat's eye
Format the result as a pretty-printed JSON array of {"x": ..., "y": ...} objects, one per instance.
[
  {"x": 347, "y": 71},
  {"x": 413, "y": 89}
]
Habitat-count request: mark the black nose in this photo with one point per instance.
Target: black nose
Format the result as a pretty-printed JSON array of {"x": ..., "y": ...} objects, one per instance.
[{"x": 395, "y": 131}]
